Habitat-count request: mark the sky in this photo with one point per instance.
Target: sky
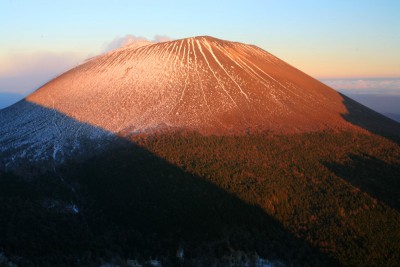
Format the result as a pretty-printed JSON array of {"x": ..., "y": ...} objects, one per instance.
[{"x": 350, "y": 45}]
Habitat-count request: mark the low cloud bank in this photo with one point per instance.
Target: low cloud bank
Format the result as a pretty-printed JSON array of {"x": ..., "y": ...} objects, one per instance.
[
  {"x": 25, "y": 72},
  {"x": 386, "y": 86},
  {"x": 379, "y": 94}
]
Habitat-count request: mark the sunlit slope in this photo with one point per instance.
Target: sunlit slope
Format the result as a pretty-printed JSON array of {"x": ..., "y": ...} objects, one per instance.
[{"x": 201, "y": 83}]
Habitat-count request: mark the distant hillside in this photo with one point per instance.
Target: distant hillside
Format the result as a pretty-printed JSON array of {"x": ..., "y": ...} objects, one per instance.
[
  {"x": 7, "y": 99},
  {"x": 393, "y": 116},
  {"x": 388, "y": 105}
]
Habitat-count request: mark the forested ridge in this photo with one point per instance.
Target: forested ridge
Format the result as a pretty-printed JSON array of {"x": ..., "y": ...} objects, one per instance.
[{"x": 323, "y": 198}]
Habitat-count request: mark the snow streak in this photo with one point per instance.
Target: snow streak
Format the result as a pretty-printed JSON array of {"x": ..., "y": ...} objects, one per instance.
[
  {"x": 222, "y": 67},
  {"x": 198, "y": 75},
  {"x": 219, "y": 82}
]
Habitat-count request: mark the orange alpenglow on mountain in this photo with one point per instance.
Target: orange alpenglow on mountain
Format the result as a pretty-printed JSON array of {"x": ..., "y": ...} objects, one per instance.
[{"x": 201, "y": 83}]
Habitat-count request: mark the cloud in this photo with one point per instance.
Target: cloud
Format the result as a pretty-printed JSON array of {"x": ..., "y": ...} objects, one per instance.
[
  {"x": 123, "y": 41},
  {"x": 365, "y": 86},
  {"x": 161, "y": 38},
  {"x": 25, "y": 72},
  {"x": 130, "y": 39}
]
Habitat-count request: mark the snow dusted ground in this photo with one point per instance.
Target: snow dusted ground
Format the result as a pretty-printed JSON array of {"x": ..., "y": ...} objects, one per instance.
[
  {"x": 202, "y": 83},
  {"x": 31, "y": 133}
]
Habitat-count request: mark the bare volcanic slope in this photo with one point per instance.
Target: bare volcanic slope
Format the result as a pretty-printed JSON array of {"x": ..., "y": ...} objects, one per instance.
[{"x": 201, "y": 83}]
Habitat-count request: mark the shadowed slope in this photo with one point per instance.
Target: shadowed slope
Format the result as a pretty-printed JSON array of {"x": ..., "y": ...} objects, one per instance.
[
  {"x": 35, "y": 136},
  {"x": 287, "y": 177},
  {"x": 127, "y": 202},
  {"x": 378, "y": 178},
  {"x": 370, "y": 120}
]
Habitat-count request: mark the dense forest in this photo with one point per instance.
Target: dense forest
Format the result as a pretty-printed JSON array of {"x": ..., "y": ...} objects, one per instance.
[{"x": 324, "y": 198}]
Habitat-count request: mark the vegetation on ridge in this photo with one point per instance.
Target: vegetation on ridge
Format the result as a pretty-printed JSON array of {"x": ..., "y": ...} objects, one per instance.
[{"x": 324, "y": 198}]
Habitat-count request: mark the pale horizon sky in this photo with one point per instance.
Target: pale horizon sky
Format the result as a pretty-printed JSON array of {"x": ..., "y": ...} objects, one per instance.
[{"x": 333, "y": 41}]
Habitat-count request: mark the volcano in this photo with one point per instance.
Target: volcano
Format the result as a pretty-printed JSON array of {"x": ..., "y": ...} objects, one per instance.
[
  {"x": 196, "y": 152},
  {"x": 202, "y": 84}
]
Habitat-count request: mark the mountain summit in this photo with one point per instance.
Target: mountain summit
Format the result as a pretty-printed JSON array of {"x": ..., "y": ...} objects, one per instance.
[{"x": 201, "y": 83}]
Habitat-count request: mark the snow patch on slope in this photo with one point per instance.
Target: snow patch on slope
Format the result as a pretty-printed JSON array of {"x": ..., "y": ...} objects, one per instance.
[{"x": 31, "y": 133}]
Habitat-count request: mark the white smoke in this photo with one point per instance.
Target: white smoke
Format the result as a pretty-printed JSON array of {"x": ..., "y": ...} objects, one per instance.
[{"x": 130, "y": 39}]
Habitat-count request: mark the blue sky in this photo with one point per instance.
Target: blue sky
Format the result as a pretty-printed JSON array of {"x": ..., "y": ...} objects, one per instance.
[{"x": 326, "y": 39}]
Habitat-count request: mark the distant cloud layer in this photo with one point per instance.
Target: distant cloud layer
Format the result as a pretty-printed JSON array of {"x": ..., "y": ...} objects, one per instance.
[
  {"x": 23, "y": 73},
  {"x": 130, "y": 38},
  {"x": 365, "y": 86}
]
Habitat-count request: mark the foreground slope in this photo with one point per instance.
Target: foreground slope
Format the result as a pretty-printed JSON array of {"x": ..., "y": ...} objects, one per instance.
[{"x": 316, "y": 199}]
